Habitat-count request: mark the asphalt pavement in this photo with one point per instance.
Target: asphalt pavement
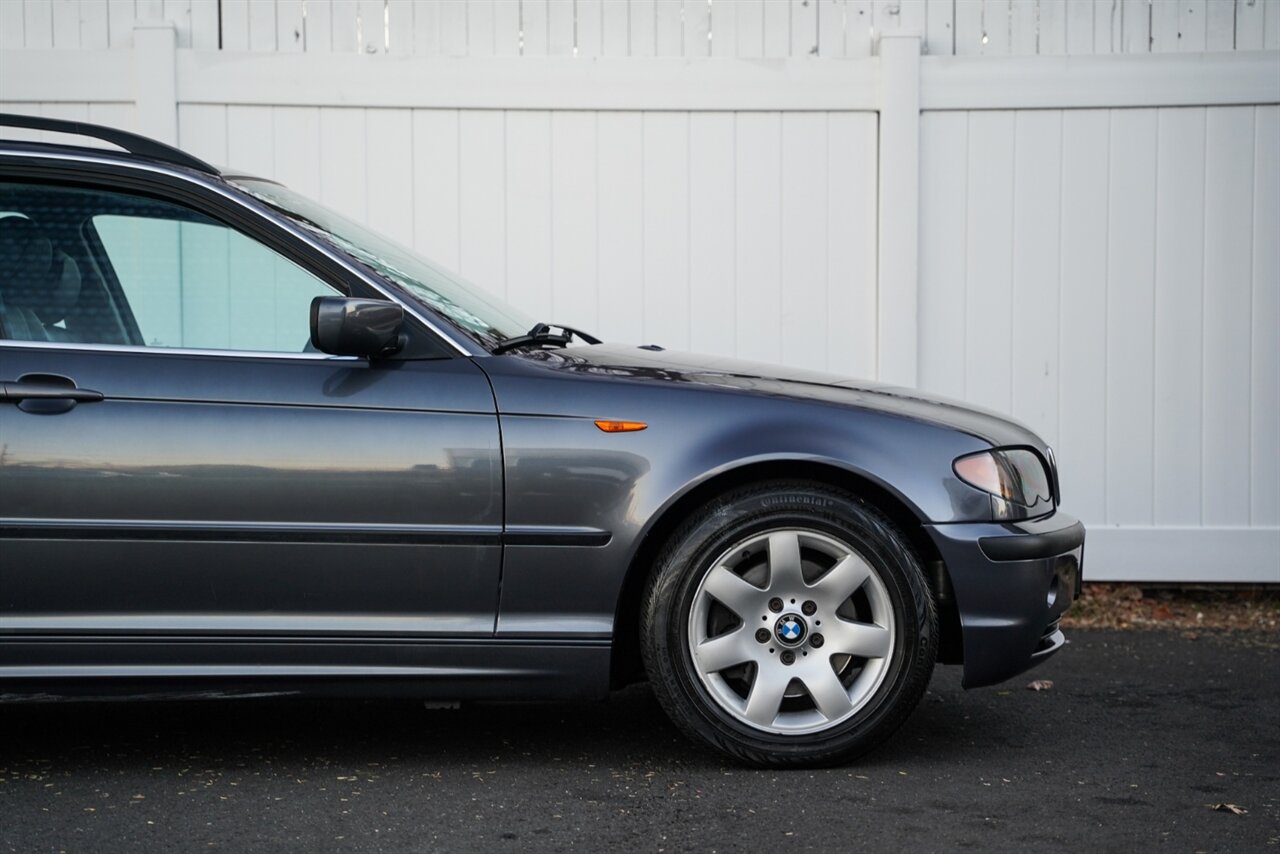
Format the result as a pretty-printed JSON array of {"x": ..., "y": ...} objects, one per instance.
[{"x": 1141, "y": 735}]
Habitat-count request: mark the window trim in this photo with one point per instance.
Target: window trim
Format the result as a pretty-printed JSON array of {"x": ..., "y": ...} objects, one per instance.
[{"x": 239, "y": 211}]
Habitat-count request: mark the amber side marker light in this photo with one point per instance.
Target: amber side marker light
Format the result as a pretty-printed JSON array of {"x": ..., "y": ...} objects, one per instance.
[{"x": 621, "y": 426}]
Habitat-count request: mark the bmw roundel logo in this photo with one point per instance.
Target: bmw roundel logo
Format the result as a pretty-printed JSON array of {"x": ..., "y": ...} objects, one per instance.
[{"x": 790, "y": 629}]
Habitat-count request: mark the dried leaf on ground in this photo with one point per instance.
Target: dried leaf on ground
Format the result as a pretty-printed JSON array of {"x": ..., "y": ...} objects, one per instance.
[{"x": 1234, "y": 809}]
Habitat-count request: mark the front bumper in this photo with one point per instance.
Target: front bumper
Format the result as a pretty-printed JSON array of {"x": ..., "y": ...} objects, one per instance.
[{"x": 1012, "y": 583}]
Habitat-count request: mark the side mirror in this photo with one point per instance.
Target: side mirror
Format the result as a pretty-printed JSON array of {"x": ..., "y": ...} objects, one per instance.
[{"x": 356, "y": 327}]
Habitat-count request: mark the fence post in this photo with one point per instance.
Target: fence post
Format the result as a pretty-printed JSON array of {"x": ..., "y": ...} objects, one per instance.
[
  {"x": 155, "y": 82},
  {"x": 897, "y": 321}
]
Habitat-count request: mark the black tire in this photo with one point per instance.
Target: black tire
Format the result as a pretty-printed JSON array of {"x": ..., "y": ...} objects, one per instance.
[{"x": 702, "y": 703}]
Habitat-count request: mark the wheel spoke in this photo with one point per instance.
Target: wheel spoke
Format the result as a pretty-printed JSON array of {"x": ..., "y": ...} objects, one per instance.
[
  {"x": 733, "y": 591},
  {"x": 766, "y": 694},
  {"x": 724, "y": 651},
  {"x": 828, "y": 694},
  {"x": 842, "y": 580},
  {"x": 785, "y": 572},
  {"x": 865, "y": 640}
]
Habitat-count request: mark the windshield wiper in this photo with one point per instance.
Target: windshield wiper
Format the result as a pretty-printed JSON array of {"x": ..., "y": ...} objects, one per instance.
[{"x": 543, "y": 335}]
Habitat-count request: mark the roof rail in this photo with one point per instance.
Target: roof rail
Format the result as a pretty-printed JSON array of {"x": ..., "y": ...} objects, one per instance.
[{"x": 130, "y": 142}]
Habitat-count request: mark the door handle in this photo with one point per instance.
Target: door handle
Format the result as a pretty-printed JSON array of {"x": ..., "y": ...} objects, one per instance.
[{"x": 46, "y": 393}]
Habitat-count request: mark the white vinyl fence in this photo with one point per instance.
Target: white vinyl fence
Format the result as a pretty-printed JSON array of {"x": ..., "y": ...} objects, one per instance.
[{"x": 1067, "y": 211}]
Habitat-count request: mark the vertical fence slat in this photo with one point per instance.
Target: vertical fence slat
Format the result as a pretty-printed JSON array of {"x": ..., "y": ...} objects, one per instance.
[
  {"x": 1250, "y": 25},
  {"x": 400, "y": 27},
  {"x": 940, "y": 28},
  {"x": 1228, "y": 248},
  {"x": 851, "y": 244},
  {"x": 529, "y": 207},
  {"x": 453, "y": 27},
  {"x": 120, "y": 18},
  {"x": 297, "y": 149},
  {"x": 1130, "y": 278},
  {"x": 668, "y": 23},
  {"x": 1177, "y": 307},
  {"x": 1082, "y": 322},
  {"x": 1079, "y": 26},
  {"x": 560, "y": 24},
  {"x": 666, "y": 228},
  {"x": 318, "y": 27},
  {"x": 758, "y": 179},
  {"x": 574, "y": 295},
  {"x": 289, "y": 26},
  {"x": 804, "y": 239},
  {"x": 1053, "y": 28},
  {"x": 1220, "y": 26},
  {"x": 589, "y": 33},
  {"x": 1107, "y": 25},
  {"x": 777, "y": 29},
  {"x": 1165, "y": 27},
  {"x": 641, "y": 21},
  {"x": 482, "y": 204},
  {"x": 697, "y": 28},
  {"x": 66, "y": 24},
  {"x": 1192, "y": 26},
  {"x": 93, "y": 25},
  {"x": 506, "y": 28},
  {"x": 534, "y": 27},
  {"x": 804, "y": 27},
  {"x": 989, "y": 271},
  {"x": 12, "y": 32},
  {"x": 1037, "y": 229},
  {"x": 204, "y": 26},
  {"x": 436, "y": 182},
  {"x": 831, "y": 27},
  {"x": 969, "y": 32},
  {"x": 373, "y": 26},
  {"x": 344, "y": 26},
  {"x": 480, "y": 29},
  {"x": 749, "y": 19},
  {"x": 426, "y": 29},
  {"x": 1135, "y": 26},
  {"x": 723, "y": 23},
  {"x": 620, "y": 218},
  {"x": 1264, "y": 407},
  {"x": 202, "y": 130},
  {"x": 944, "y": 223},
  {"x": 262, "y": 27},
  {"x": 37, "y": 23},
  {"x": 1024, "y": 27},
  {"x": 389, "y": 172},
  {"x": 711, "y": 232},
  {"x": 615, "y": 25}
]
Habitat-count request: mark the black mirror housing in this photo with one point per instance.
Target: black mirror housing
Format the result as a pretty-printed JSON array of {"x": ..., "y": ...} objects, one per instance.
[{"x": 347, "y": 326}]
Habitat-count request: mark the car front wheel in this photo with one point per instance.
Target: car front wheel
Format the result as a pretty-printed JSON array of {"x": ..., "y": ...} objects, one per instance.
[{"x": 789, "y": 624}]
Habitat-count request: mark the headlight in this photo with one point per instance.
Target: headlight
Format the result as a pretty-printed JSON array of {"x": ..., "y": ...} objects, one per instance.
[{"x": 1015, "y": 476}]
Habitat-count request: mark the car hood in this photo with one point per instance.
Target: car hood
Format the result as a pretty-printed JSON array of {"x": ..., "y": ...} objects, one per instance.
[{"x": 717, "y": 372}]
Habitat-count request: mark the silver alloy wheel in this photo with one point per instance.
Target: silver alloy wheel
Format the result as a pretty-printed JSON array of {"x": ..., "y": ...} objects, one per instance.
[{"x": 791, "y": 631}]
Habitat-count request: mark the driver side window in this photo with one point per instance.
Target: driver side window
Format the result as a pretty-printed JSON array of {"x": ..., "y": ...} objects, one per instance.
[{"x": 91, "y": 266}]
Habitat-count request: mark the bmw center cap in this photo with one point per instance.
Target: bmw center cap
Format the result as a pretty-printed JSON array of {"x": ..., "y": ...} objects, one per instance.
[{"x": 790, "y": 629}]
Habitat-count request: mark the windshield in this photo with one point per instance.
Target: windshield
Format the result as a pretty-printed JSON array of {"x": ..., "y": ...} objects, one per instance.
[{"x": 484, "y": 318}]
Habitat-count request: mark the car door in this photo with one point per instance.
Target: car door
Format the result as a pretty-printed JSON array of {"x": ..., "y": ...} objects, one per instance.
[{"x": 176, "y": 461}]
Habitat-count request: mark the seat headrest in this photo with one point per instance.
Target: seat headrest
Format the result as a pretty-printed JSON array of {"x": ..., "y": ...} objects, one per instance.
[{"x": 34, "y": 274}]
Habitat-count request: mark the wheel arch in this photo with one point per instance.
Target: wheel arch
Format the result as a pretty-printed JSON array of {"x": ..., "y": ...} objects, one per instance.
[{"x": 626, "y": 666}]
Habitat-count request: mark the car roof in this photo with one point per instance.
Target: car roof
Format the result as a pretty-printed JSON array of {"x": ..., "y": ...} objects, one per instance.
[{"x": 136, "y": 148}]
